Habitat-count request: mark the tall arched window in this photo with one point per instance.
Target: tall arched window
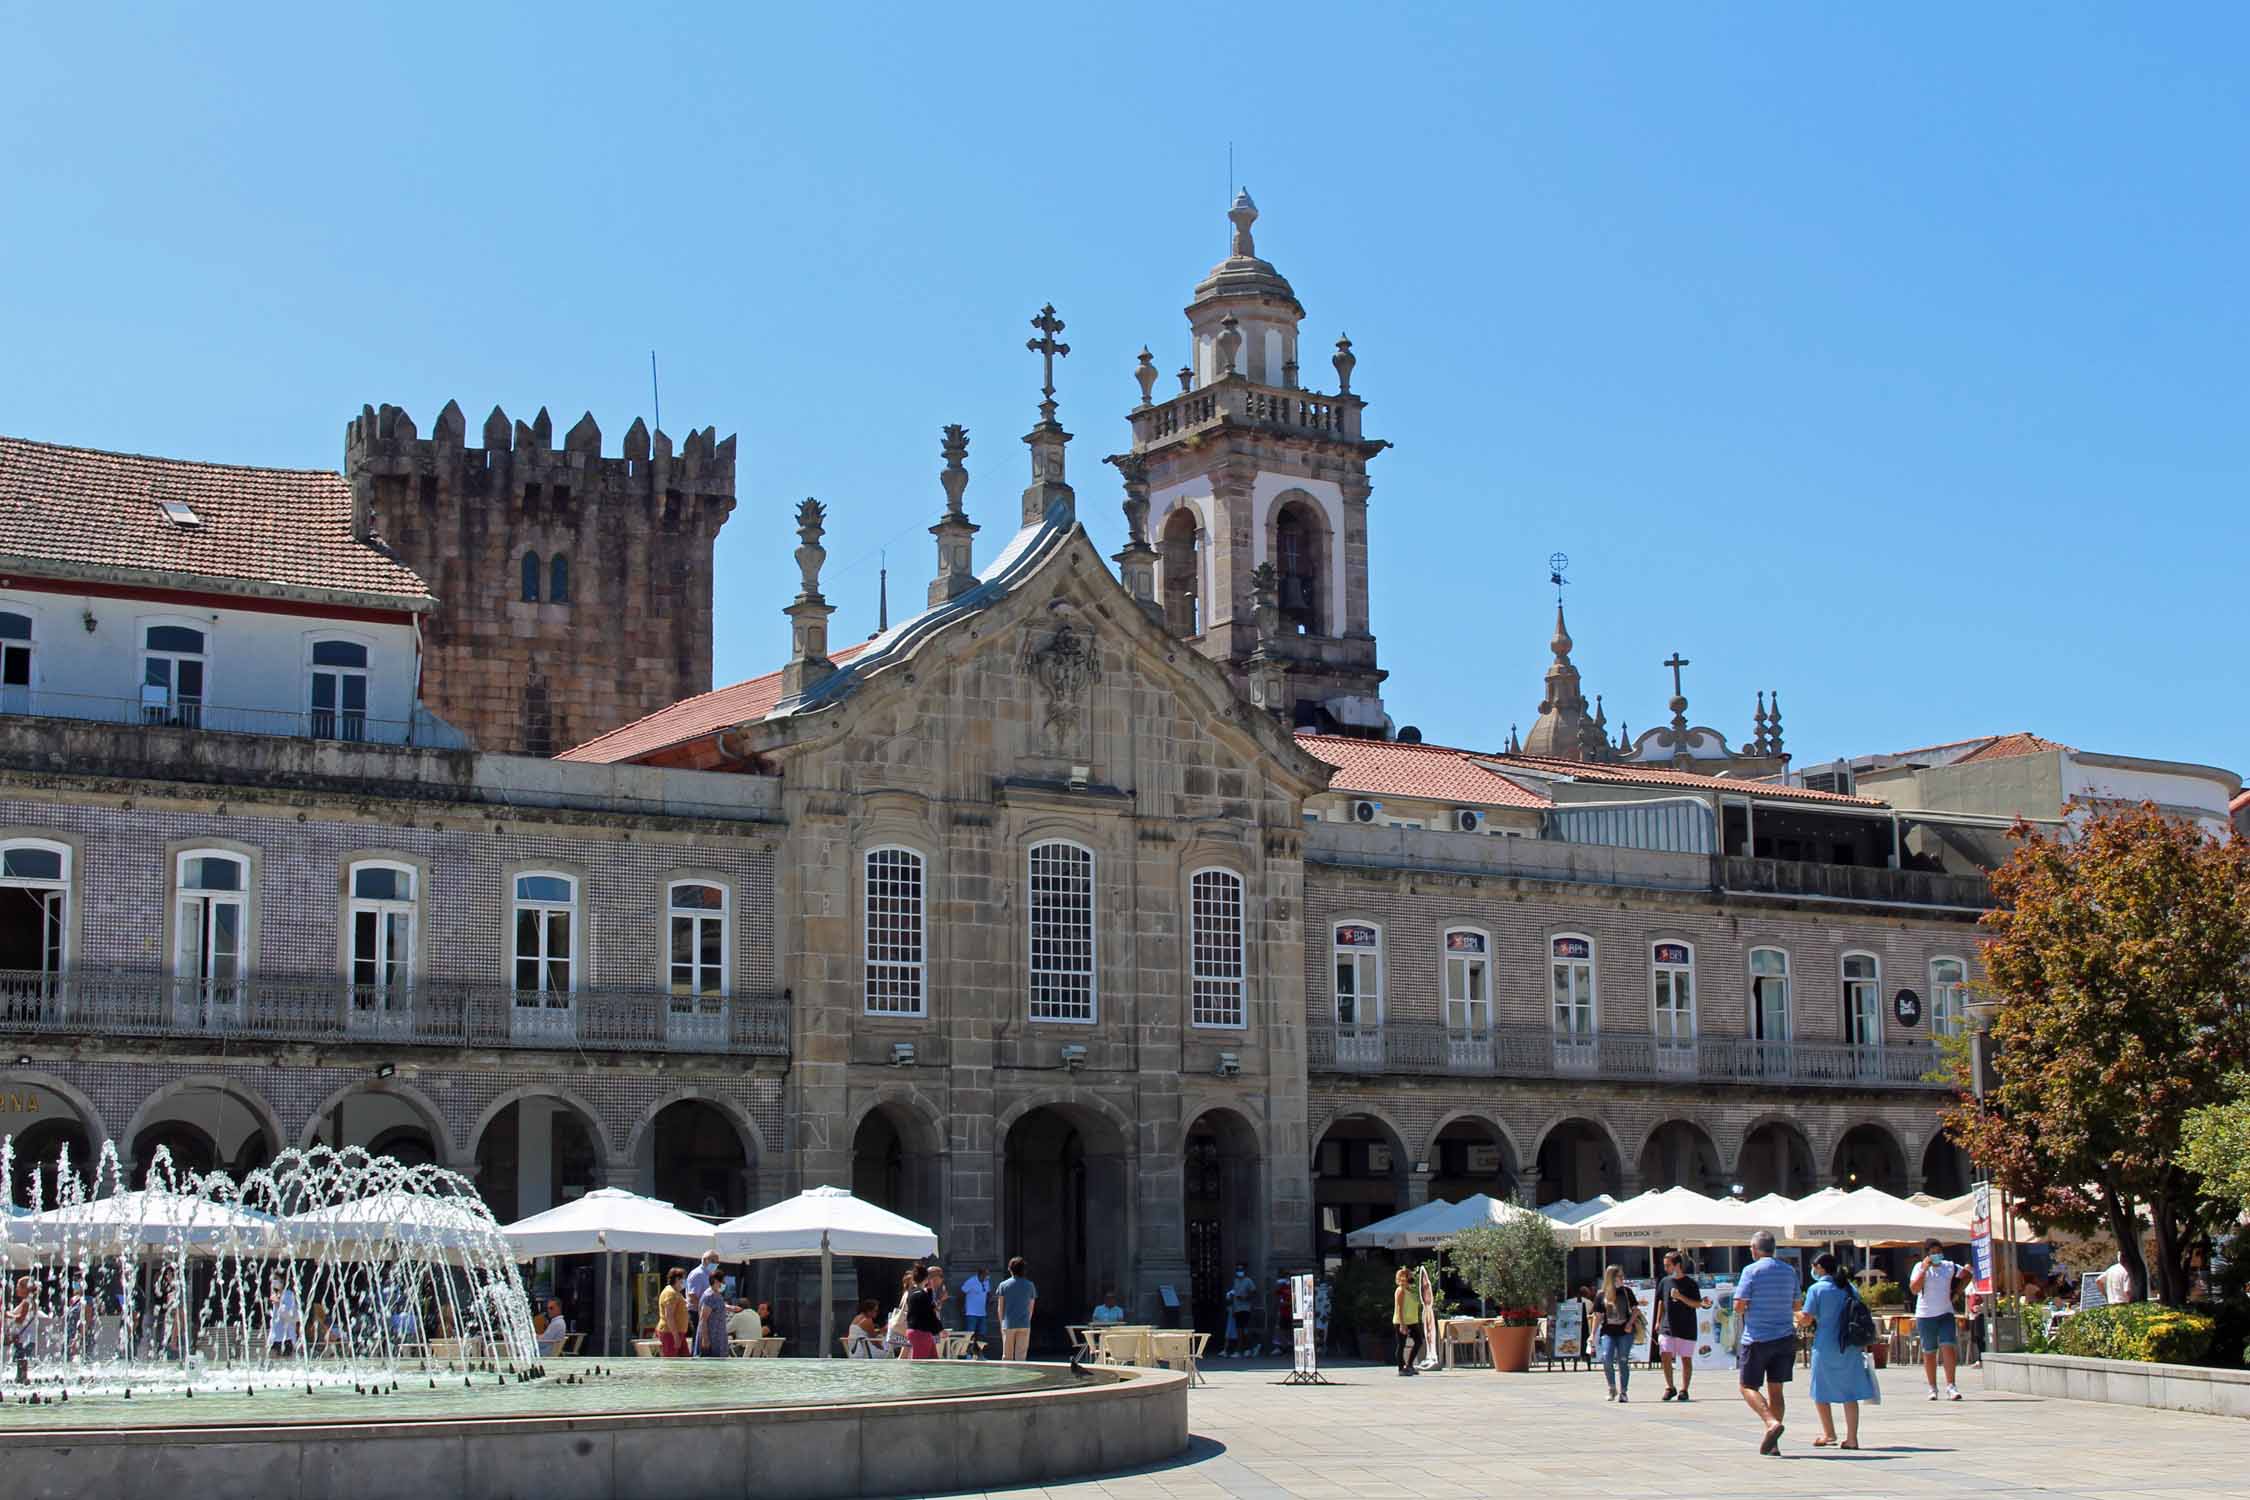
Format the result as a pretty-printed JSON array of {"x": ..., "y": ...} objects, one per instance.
[
  {"x": 380, "y": 920},
  {"x": 210, "y": 928},
  {"x": 558, "y": 580},
  {"x": 1769, "y": 995},
  {"x": 1949, "y": 979},
  {"x": 15, "y": 662},
  {"x": 1180, "y": 562},
  {"x": 34, "y": 908},
  {"x": 339, "y": 690},
  {"x": 1061, "y": 919},
  {"x": 531, "y": 578},
  {"x": 696, "y": 938},
  {"x": 1216, "y": 948},
  {"x": 1359, "y": 974},
  {"x": 1863, "y": 1000},
  {"x": 172, "y": 666},
  {"x": 895, "y": 979},
  {"x": 1300, "y": 557},
  {"x": 1468, "y": 980},
  {"x": 544, "y": 957}
]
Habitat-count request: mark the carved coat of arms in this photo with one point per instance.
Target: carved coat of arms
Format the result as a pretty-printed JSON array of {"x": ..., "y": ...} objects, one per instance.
[{"x": 1063, "y": 667}]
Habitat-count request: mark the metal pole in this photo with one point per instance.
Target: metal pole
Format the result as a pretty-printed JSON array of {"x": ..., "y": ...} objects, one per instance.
[{"x": 827, "y": 1299}]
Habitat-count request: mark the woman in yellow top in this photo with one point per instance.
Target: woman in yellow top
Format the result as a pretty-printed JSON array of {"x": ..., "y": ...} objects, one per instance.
[
  {"x": 672, "y": 1316},
  {"x": 1406, "y": 1317}
]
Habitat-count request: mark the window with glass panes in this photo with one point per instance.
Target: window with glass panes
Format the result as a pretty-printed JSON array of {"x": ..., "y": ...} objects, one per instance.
[
  {"x": 1949, "y": 979},
  {"x": 172, "y": 663},
  {"x": 1672, "y": 974},
  {"x": 1572, "y": 972},
  {"x": 1062, "y": 933},
  {"x": 1468, "y": 992},
  {"x": 1359, "y": 974},
  {"x": 696, "y": 935},
  {"x": 1863, "y": 1000},
  {"x": 1769, "y": 995},
  {"x": 339, "y": 690},
  {"x": 34, "y": 904},
  {"x": 546, "y": 925},
  {"x": 894, "y": 984},
  {"x": 382, "y": 927},
  {"x": 15, "y": 663},
  {"x": 211, "y": 910},
  {"x": 1216, "y": 945}
]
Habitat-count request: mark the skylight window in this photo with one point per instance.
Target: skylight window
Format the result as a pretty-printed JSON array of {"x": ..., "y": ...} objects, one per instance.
[{"x": 180, "y": 513}]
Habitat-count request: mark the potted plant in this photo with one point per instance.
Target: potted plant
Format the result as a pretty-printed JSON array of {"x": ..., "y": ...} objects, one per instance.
[
  {"x": 1363, "y": 1304},
  {"x": 1518, "y": 1266}
]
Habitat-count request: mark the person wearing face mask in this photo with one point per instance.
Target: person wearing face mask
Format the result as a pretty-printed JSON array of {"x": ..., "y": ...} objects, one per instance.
[{"x": 1241, "y": 1297}]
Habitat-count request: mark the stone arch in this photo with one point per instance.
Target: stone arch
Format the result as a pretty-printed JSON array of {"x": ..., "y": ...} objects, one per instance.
[
  {"x": 1069, "y": 1102},
  {"x": 1180, "y": 548},
  {"x": 1681, "y": 1151},
  {"x": 693, "y": 1151},
  {"x": 908, "y": 1102},
  {"x": 1574, "y": 1176},
  {"x": 1349, "y": 1190},
  {"x": 753, "y": 1139},
  {"x": 603, "y": 1142},
  {"x": 1065, "y": 1164},
  {"x": 38, "y": 1145},
  {"x": 1194, "y": 1107},
  {"x": 508, "y": 1143},
  {"x": 1498, "y": 1126},
  {"x": 256, "y": 1104},
  {"x": 417, "y": 1102},
  {"x": 1223, "y": 1170},
  {"x": 81, "y": 1104},
  {"x": 1793, "y": 1176},
  {"x": 1301, "y": 543},
  {"x": 1456, "y": 1167},
  {"x": 1946, "y": 1168},
  {"x": 1868, "y": 1153}
]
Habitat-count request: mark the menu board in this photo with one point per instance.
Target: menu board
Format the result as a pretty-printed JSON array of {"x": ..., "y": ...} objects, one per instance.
[{"x": 1567, "y": 1333}]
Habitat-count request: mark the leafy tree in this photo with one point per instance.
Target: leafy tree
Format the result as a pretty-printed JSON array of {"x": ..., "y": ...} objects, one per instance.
[
  {"x": 2117, "y": 957},
  {"x": 2215, "y": 1146},
  {"x": 1517, "y": 1264}
]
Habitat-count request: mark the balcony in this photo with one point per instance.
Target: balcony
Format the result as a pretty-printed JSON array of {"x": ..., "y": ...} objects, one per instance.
[
  {"x": 1863, "y": 883},
  {"x": 162, "y": 712},
  {"x": 1522, "y": 1052},
  {"x": 432, "y": 1014},
  {"x": 1234, "y": 401}
]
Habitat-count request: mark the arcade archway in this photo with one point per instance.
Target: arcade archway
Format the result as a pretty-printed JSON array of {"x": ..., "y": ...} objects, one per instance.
[
  {"x": 535, "y": 1153},
  {"x": 1067, "y": 1211},
  {"x": 1776, "y": 1158},
  {"x": 1221, "y": 1189},
  {"x": 1359, "y": 1176}
]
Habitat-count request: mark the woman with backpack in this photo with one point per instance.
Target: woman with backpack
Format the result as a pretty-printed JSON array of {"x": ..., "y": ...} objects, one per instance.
[{"x": 1842, "y": 1328}]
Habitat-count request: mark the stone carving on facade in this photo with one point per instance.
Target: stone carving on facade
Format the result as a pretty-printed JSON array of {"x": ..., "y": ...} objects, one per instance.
[{"x": 1063, "y": 666}]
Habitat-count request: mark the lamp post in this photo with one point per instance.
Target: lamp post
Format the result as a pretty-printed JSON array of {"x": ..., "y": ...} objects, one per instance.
[{"x": 2007, "y": 1327}]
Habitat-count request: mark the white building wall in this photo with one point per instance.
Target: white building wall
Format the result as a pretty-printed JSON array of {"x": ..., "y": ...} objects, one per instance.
[
  {"x": 2175, "y": 790},
  {"x": 254, "y": 660}
]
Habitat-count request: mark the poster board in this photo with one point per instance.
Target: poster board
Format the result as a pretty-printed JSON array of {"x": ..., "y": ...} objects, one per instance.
[
  {"x": 1980, "y": 1237},
  {"x": 1714, "y": 1320},
  {"x": 1566, "y": 1335},
  {"x": 1304, "y": 1352}
]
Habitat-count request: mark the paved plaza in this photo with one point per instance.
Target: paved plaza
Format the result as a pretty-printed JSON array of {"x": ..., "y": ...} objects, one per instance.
[{"x": 1473, "y": 1433}]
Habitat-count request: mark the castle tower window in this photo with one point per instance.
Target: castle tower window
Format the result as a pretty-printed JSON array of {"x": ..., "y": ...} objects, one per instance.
[
  {"x": 1769, "y": 998},
  {"x": 1062, "y": 932},
  {"x": 697, "y": 921},
  {"x": 1468, "y": 984},
  {"x": 1359, "y": 974},
  {"x": 1216, "y": 942},
  {"x": 15, "y": 663},
  {"x": 1300, "y": 546},
  {"x": 172, "y": 670},
  {"x": 1180, "y": 565},
  {"x": 381, "y": 920},
  {"x": 339, "y": 690},
  {"x": 210, "y": 923},
  {"x": 1948, "y": 996},
  {"x": 558, "y": 580},
  {"x": 34, "y": 913},
  {"x": 1863, "y": 1000},
  {"x": 546, "y": 952},
  {"x": 531, "y": 578},
  {"x": 894, "y": 979}
]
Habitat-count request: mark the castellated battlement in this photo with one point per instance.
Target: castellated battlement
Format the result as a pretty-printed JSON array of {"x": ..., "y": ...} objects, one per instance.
[{"x": 574, "y": 590}]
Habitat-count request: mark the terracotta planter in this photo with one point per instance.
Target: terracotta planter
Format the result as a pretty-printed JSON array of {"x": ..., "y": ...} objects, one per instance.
[{"x": 1511, "y": 1347}]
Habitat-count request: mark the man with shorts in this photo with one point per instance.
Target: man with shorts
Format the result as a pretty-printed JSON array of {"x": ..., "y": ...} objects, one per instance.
[
  {"x": 1765, "y": 1299},
  {"x": 1677, "y": 1298},
  {"x": 1932, "y": 1282},
  {"x": 1017, "y": 1297}
]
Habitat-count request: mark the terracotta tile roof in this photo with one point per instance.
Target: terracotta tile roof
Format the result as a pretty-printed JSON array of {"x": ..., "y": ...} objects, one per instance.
[
  {"x": 260, "y": 530},
  {"x": 693, "y": 718},
  {"x": 2241, "y": 801},
  {"x": 1389, "y": 768},
  {"x": 2008, "y": 745},
  {"x": 1653, "y": 776}
]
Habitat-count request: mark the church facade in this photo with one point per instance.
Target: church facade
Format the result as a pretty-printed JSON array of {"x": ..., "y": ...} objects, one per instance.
[{"x": 1099, "y": 913}]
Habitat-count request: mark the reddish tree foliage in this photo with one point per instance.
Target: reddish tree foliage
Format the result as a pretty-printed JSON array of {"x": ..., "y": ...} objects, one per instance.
[{"x": 2118, "y": 961}]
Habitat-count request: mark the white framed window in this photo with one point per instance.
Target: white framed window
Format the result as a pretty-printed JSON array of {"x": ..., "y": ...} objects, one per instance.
[
  {"x": 1671, "y": 970},
  {"x": 34, "y": 907},
  {"x": 1216, "y": 946},
  {"x": 695, "y": 919},
  {"x": 1769, "y": 995},
  {"x": 173, "y": 665},
  {"x": 897, "y": 971},
  {"x": 339, "y": 690},
  {"x": 1863, "y": 1000},
  {"x": 17, "y": 642},
  {"x": 1359, "y": 973},
  {"x": 1061, "y": 920},
  {"x": 1949, "y": 981},
  {"x": 379, "y": 917},
  {"x": 1468, "y": 979},
  {"x": 1571, "y": 975},
  {"x": 210, "y": 933},
  {"x": 544, "y": 918}
]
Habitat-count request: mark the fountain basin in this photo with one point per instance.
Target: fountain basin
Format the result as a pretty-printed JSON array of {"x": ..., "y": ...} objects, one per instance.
[{"x": 676, "y": 1429}]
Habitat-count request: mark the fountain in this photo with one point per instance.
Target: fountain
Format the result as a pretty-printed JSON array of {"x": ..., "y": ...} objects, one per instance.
[{"x": 340, "y": 1322}]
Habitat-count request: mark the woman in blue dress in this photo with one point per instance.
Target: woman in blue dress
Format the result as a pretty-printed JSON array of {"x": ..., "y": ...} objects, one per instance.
[{"x": 1840, "y": 1376}]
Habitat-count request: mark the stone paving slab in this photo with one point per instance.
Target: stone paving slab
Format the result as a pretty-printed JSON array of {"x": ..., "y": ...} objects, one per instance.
[{"x": 1471, "y": 1433}]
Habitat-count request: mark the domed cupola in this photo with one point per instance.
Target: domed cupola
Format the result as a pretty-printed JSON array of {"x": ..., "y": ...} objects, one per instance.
[{"x": 1244, "y": 315}]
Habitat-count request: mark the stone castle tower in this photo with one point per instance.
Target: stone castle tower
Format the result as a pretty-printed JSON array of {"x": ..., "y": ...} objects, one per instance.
[
  {"x": 1244, "y": 469},
  {"x": 574, "y": 591}
]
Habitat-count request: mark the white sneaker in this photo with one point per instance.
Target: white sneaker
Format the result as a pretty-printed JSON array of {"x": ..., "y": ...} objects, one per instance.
[
  {"x": 1952, "y": 1393},
  {"x": 1933, "y": 1393}
]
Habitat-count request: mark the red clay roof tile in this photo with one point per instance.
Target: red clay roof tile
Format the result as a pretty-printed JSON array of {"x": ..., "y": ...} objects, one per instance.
[
  {"x": 1390, "y": 768},
  {"x": 692, "y": 718}
]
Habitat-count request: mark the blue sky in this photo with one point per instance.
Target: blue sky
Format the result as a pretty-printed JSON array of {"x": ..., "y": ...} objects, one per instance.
[{"x": 1893, "y": 359}]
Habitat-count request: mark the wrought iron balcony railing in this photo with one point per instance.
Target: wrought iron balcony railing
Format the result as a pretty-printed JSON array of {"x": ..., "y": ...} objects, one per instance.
[
  {"x": 432, "y": 1013},
  {"x": 1522, "y": 1052}
]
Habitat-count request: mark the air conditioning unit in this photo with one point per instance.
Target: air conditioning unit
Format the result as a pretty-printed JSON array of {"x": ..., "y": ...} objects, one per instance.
[
  {"x": 1364, "y": 811},
  {"x": 1468, "y": 819}
]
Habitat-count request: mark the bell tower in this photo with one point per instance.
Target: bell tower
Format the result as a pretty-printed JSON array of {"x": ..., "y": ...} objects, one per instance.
[{"x": 1244, "y": 468}]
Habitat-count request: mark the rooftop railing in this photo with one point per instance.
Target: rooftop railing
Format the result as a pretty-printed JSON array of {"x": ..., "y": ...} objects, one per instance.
[
  {"x": 432, "y": 1013},
  {"x": 1863, "y": 883},
  {"x": 1522, "y": 1052},
  {"x": 193, "y": 713},
  {"x": 1237, "y": 401}
]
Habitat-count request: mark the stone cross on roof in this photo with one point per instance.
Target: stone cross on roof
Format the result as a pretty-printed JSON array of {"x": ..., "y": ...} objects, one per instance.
[
  {"x": 1046, "y": 348},
  {"x": 1678, "y": 661}
]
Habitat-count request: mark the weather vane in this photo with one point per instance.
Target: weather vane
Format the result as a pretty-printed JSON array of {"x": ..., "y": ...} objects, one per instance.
[{"x": 1557, "y": 564}]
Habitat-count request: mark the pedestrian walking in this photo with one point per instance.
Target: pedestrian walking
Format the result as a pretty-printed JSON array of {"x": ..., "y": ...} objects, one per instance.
[
  {"x": 1841, "y": 1374},
  {"x": 1932, "y": 1282},
  {"x": 672, "y": 1315},
  {"x": 1678, "y": 1298},
  {"x": 894, "y": 1331},
  {"x": 281, "y": 1333},
  {"x": 1242, "y": 1294},
  {"x": 711, "y": 1318},
  {"x": 1019, "y": 1297},
  {"x": 1765, "y": 1299},
  {"x": 1622, "y": 1328},
  {"x": 698, "y": 1282},
  {"x": 924, "y": 1329},
  {"x": 1406, "y": 1319},
  {"x": 975, "y": 1288}
]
